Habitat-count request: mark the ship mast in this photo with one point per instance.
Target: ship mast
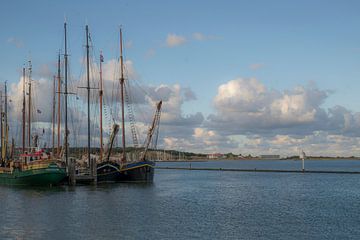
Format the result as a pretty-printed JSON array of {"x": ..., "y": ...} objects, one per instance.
[
  {"x": 6, "y": 141},
  {"x": 29, "y": 107},
  {"x": 66, "y": 95},
  {"x": 23, "y": 113},
  {"x": 1, "y": 127},
  {"x": 122, "y": 80},
  {"x": 101, "y": 107},
  {"x": 4, "y": 129},
  {"x": 53, "y": 117},
  {"x": 59, "y": 110},
  {"x": 88, "y": 90}
]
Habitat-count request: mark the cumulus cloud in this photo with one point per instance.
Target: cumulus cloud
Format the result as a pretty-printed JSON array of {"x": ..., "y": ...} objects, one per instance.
[
  {"x": 247, "y": 106},
  {"x": 144, "y": 98},
  {"x": 201, "y": 140},
  {"x": 174, "y": 40},
  {"x": 319, "y": 143},
  {"x": 282, "y": 122}
]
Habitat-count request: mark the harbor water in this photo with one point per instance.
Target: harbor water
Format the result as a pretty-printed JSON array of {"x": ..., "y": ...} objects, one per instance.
[{"x": 183, "y": 204}]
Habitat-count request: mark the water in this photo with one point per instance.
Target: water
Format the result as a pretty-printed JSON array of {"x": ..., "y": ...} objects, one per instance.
[{"x": 194, "y": 205}]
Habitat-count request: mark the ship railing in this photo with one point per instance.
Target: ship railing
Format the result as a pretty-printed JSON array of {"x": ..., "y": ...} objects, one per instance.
[
  {"x": 6, "y": 169},
  {"x": 83, "y": 171}
]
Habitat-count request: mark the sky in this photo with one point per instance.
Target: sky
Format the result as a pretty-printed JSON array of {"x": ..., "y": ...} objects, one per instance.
[{"x": 248, "y": 77}]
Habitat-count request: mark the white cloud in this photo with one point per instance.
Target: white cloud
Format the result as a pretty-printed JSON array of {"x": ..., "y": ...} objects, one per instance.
[
  {"x": 319, "y": 143},
  {"x": 246, "y": 105},
  {"x": 173, "y": 122},
  {"x": 174, "y": 40}
]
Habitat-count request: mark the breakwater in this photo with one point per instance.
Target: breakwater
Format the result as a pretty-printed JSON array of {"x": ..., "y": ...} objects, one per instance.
[{"x": 259, "y": 170}]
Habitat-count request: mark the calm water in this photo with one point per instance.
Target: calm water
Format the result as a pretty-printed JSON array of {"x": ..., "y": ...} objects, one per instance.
[{"x": 194, "y": 205}]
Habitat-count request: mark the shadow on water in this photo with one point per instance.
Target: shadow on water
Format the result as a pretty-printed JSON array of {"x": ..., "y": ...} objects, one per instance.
[{"x": 127, "y": 185}]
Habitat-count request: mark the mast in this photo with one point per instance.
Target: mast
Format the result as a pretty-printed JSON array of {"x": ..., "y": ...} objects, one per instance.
[
  {"x": 59, "y": 110},
  {"x": 29, "y": 106},
  {"x": 88, "y": 90},
  {"x": 53, "y": 117},
  {"x": 101, "y": 107},
  {"x": 122, "y": 97},
  {"x": 1, "y": 126},
  {"x": 23, "y": 113},
  {"x": 5, "y": 146},
  {"x": 66, "y": 95}
]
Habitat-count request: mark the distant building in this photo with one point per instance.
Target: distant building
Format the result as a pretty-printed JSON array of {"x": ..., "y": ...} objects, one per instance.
[
  {"x": 270, "y": 156},
  {"x": 215, "y": 155}
]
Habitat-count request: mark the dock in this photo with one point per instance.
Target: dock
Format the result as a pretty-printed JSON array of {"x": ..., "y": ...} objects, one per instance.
[
  {"x": 259, "y": 170},
  {"x": 84, "y": 176}
]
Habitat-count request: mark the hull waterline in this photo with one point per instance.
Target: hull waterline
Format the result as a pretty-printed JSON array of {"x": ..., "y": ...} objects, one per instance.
[{"x": 130, "y": 172}]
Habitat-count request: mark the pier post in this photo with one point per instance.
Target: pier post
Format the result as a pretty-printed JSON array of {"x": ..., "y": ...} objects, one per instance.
[
  {"x": 93, "y": 170},
  {"x": 72, "y": 179}
]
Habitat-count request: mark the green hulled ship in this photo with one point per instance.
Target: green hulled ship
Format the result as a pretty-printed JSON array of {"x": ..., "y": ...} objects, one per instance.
[
  {"x": 35, "y": 174},
  {"x": 33, "y": 167}
]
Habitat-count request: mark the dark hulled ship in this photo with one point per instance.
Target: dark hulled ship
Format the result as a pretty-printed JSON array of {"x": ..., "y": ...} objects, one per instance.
[{"x": 138, "y": 169}]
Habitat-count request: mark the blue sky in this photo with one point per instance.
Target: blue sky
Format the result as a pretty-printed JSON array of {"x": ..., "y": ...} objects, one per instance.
[{"x": 282, "y": 44}]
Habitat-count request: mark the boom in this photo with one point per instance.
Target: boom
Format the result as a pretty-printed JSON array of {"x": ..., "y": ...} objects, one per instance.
[{"x": 154, "y": 125}]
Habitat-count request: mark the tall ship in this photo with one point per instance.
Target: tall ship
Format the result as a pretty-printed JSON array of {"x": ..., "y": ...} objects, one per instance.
[
  {"x": 125, "y": 168},
  {"x": 30, "y": 166}
]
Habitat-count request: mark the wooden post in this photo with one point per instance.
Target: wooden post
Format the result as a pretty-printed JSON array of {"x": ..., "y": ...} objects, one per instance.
[
  {"x": 71, "y": 172},
  {"x": 93, "y": 170}
]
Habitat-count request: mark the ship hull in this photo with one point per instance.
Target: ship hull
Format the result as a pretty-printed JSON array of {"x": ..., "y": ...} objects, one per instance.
[
  {"x": 108, "y": 172},
  {"x": 131, "y": 172},
  {"x": 137, "y": 172},
  {"x": 48, "y": 176}
]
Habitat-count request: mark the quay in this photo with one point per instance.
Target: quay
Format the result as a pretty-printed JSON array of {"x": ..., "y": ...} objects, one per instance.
[{"x": 259, "y": 170}]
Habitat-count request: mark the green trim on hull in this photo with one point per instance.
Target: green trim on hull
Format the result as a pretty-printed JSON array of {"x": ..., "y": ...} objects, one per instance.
[{"x": 34, "y": 177}]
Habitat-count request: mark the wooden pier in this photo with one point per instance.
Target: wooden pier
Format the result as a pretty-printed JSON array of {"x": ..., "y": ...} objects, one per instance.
[
  {"x": 259, "y": 170},
  {"x": 84, "y": 176}
]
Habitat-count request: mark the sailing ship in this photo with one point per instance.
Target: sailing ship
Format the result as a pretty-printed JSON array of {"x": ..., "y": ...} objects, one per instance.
[
  {"x": 124, "y": 169},
  {"x": 32, "y": 167}
]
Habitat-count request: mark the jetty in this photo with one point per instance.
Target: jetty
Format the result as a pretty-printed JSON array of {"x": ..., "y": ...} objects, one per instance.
[{"x": 259, "y": 170}]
